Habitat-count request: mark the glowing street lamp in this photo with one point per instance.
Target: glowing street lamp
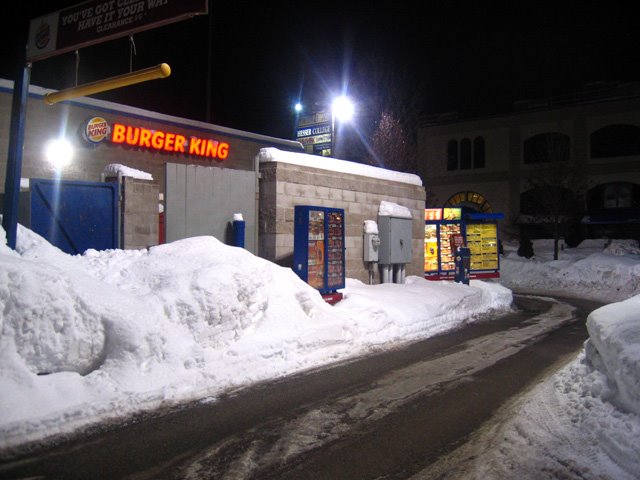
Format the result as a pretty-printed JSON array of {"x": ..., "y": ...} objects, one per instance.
[{"x": 342, "y": 109}]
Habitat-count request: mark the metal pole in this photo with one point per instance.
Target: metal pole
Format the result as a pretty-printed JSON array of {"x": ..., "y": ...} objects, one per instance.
[
  {"x": 14, "y": 155},
  {"x": 333, "y": 134}
]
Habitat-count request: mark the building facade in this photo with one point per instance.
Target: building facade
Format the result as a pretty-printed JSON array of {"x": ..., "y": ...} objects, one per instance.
[
  {"x": 196, "y": 178},
  {"x": 571, "y": 160}
]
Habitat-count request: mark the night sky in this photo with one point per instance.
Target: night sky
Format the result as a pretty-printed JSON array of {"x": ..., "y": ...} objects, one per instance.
[{"x": 467, "y": 56}]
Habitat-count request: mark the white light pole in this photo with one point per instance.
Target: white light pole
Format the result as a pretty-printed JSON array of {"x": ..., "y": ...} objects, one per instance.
[{"x": 298, "y": 107}]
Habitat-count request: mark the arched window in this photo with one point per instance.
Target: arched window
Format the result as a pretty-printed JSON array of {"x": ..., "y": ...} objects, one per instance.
[
  {"x": 452, "y": 155},
  {"x": 614, "y": 195},
  {"x": 465, "y": 154},
  {"x": 478, "y": 152},
  {"x": 615, "y": 141},
  {"x": 472, "y": 201},
  {"x": 546, "y": 148}
]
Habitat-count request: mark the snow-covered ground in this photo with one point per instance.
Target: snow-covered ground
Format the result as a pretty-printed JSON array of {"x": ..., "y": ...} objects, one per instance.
[
  {"x": 107, "y": 334},
  {"x": 583, "y": 422}
]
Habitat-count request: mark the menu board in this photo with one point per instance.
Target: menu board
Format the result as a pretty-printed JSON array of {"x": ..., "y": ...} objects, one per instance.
[
  {"x": 335, "y": 264},
  {"x": 430, "y": 248},
  {"x": 315, "y": 263},
  {"x": 482, "y": 239},
  {"x": 447, "y": 262}
]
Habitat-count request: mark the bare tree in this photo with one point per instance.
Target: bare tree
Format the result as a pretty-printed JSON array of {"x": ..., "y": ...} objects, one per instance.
[
  {"x": 391, "y": 100},
  {"x": 554, "y": 199}
]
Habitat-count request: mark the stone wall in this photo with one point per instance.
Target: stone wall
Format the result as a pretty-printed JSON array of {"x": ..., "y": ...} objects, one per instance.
[
  {"x": 284, "y": 185},
  {"x": 140, "y": 217}
]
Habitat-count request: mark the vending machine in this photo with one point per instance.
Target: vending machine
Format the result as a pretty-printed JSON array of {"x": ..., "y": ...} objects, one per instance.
[
  {"x": 318, "y": 250},
  {"x": 447, "y": 228}
]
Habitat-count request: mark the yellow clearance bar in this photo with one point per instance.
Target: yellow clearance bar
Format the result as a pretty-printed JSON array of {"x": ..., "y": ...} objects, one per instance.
[{"x": 152, "y": 73}]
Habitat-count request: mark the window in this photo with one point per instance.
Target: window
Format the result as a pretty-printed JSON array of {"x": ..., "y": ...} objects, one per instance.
[
  {"x": 547, "y": 148},
  {"x": 471, "y": 201},
  {"x": 615, "y": 141},
  {"x": 614, "y": 195},
  {"x": 478, "y": 152},
  {"x": 452, "y": 155},
  {"x": 465, "y": 157},
  {"x": 465, "y": 154}
]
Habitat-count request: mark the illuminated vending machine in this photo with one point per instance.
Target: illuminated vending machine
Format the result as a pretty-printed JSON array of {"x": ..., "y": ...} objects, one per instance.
[
  {"x": 318, "y": 249},
  {"x": 446, "y": 228}
]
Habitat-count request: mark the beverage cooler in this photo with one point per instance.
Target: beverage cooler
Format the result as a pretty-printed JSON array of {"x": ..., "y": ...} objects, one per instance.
[
  {"x": 318, "y": 250},
  {"x": 447, "y": 227}
]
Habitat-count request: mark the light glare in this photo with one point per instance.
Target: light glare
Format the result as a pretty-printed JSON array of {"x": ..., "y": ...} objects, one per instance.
[
  {"x": 343, "y": 109},
  {"x": 59, "y": 152}
]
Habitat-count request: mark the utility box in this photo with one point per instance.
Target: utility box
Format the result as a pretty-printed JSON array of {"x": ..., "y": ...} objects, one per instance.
[
  {"x": 371, "y": 247},
  {"x": 396, "y": 238}
]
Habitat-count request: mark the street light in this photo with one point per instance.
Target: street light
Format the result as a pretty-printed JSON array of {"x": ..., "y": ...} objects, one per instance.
[
  {"x": 298, "y": 109},
  {"x": 343, "y": 109}
]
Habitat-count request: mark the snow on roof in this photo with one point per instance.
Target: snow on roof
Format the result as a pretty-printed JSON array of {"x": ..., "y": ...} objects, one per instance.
[
  {"x": 271, "y": 154},
  {"x": 390, "y": 209},
  {"x": 116, "y": 169}
]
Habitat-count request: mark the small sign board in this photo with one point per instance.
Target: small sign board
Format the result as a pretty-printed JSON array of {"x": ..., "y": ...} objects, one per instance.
[{"x": 97, "y": 21}]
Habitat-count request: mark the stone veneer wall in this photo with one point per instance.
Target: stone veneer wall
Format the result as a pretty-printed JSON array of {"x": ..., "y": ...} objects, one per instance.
[
  {"x": 140, "y": 217},
  {"x": 284, "y": 185}
]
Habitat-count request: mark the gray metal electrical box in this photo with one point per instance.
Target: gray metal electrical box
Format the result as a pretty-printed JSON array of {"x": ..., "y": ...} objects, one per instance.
[
  {"x": 371, "y": 247},
  {"x": 396, "y": 238}
]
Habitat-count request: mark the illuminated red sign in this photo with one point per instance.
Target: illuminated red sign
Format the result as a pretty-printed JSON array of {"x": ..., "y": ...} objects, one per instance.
[
  {"x": 168, "y": 142},
  {"x": 433, "y": 214}
]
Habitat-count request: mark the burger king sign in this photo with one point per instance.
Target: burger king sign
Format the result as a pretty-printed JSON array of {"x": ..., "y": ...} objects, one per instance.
[{"x": 96, "y": 130}]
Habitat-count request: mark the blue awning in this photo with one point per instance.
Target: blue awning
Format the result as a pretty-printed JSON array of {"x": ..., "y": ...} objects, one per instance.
[{"x": 609, "y": 216}]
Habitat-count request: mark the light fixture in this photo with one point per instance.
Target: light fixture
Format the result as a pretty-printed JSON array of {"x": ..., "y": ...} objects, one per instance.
[
  {"x": 59, "y": 152},
  {"x": 342, "y": 109}
]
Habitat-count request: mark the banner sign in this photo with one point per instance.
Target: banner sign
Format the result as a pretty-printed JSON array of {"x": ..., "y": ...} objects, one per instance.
[
  {"x": 97, "y": 21},
  {"x": 315, "y": 139},
  {"x": 316, "y": 130}
]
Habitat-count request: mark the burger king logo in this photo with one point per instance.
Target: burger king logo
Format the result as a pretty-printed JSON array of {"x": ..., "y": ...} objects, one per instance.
[
  {"x": 43, "y": 35},
  {"x": 97, "y": 130}
]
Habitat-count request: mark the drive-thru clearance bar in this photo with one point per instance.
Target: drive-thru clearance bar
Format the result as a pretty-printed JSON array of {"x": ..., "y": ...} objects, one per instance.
[{"x": 168, "y": 142}]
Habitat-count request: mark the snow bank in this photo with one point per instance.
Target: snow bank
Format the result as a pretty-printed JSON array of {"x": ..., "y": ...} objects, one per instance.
[
  {"x": 614, "y": 337},
  {"x": 589, "y": 271},
  {"x": 103, "y": 335}
]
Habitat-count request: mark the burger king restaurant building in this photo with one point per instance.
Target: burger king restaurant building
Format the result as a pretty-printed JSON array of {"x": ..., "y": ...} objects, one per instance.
[
  {"x": 139, "y": 178},
  {"x": 172, "y": 177}
]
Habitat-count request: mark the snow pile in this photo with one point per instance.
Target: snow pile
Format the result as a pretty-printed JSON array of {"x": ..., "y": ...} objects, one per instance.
[
  {"x": 391, "y": 209},
  {"x": 623, "y": 247},
  {"x": 370, "y": 226},
  {"x": 271, "y": 154},
  {"x": 589, "y": 271},
  {"x": 106, "y": 334},
  {"x": 614, "y": 348}
]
